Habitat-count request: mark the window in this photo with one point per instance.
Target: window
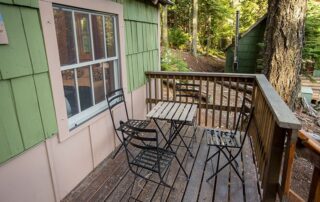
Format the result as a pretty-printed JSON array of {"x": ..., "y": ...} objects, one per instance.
[{"x": 89, "y": 62}]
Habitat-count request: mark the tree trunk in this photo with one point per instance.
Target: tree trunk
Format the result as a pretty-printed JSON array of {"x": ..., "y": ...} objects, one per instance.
[
  {"x": 165, "y": 27},
  {"x": 284, "y": 41},
  {"x": 194, "y": 27},
  {"x": 209, "y": 35}
]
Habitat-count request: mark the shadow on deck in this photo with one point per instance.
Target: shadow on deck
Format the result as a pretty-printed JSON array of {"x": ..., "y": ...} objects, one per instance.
[{"x": 112, "y": 179}]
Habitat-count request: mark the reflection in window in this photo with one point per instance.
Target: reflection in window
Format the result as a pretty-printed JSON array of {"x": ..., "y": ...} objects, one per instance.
[
  {"x": 70, "y": 92},
  {"x": 65, "y": 36},
  {"x": 97, "y": 73},
  {"x": 97, "y": 34},
  {"x": 110, "y": 36},
  {"x": 83, "y": 36},
  {"x": 109, "y": 76},
  {"x": 89, "y": 59},
  {"x": 84, "y": 85}
]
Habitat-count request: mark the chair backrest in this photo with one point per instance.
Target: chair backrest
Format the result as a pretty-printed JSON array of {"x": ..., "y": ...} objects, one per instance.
[
  {"x": 115, "y": 98},
  {"x": 187, "y": 90},
  {"x": 244, "y": 118},
  {"x": 136, "y": 140}
]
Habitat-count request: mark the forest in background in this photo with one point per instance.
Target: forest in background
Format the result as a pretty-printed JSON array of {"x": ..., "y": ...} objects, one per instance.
[{"x": 215, "y": 28}]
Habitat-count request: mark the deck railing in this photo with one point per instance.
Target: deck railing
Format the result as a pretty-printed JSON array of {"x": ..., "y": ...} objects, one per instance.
[
  {"x": 308, "y": 148},
  {"x": 273, "y": 130}
]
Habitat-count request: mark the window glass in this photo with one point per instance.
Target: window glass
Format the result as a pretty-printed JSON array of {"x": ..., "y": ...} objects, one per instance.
[
  {"x": 89, "y": 61},
  {"x": 83, "y": 37},
  {"x": 97, "y": 34},
  {"x": 65, "y": 36},
  {"x": 84, "y": 85},
  {"x": 70, "y": 92},
  {"x": 109, "y": 76},
  {"x": 110, "y": 36},
  {"x": 97, "y": 72}
]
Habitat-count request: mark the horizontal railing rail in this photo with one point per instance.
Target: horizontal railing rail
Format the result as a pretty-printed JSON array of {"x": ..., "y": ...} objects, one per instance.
[{"x": 274, "y": 127}]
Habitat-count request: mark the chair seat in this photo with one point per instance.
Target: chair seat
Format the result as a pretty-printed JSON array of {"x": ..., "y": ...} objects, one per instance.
[
  {"x": 148, "y": 159},
  {"x": 217, "y": 137},
  {"x": 134, "y": 123}
]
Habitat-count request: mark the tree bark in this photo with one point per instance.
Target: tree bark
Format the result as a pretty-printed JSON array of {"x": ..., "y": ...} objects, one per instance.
[
  {"x": 165, "y": 42},
  {"x": 284, "y": 42},
  {"x": 194, "y": 27}
]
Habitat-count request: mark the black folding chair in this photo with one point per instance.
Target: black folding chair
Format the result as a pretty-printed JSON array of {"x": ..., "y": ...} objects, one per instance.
[
  {"x": 227, "y": 141},
  {"x": 117, "y": 97},
  {"x": 189, "y": 91},
  {"x": 144, "y": 153}
]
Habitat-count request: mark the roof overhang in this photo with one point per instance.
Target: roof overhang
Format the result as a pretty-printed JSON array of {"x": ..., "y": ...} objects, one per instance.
[{"x": 163, "y": 2}]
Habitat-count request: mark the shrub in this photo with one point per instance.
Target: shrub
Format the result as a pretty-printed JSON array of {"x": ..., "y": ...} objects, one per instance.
[
  {"x": 178, "y": 38},
  {"x": 172, "y": 62}
]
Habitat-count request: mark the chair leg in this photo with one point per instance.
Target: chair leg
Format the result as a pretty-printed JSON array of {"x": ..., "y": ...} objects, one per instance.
[
  {"x": 213, "y": 155},
  {"x": 181, "y": 166},
  {"x": 217, "y": 168},
  {"x": 118, "y": 150}
]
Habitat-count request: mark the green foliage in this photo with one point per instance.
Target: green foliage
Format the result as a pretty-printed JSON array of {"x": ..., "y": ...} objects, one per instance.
[
  {"x": 216, "y": 22},
  {"x": 178, "y": 38},
  {"x": 311, "y": 50},
  {"x": 250, "y": 12},
  {"x": 172, "y": 62}
]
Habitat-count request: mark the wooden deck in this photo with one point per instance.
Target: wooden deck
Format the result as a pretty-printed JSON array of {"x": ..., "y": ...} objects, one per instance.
[{"x": 112, "y": 179}]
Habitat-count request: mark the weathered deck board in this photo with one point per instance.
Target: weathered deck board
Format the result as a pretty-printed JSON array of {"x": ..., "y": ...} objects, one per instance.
[{"x": 112, "y": 180}]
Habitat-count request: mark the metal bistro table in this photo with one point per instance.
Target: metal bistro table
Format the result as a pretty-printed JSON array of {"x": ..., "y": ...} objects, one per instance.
[{"x": 178, "y": 114}]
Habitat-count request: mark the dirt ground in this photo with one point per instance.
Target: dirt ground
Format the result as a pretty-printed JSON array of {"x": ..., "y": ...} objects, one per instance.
[
  {"x": 202, "y": 63},
  {"x": 302, "y": 168}
]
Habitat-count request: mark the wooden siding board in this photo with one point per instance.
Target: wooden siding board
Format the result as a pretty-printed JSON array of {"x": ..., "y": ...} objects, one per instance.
[
  {"x": 17, "y": 62},
  {"x": 128, "y": 37},
  {"x": 30, "y": 19},
  {"x": 29, "y": 3},
  {"x": 141, "y": 69},
  {"x": 6, "y": 1},
  {"x": 135, "y": 73},
  {"x": 134, "y": 37},
  {"x": 145, "y": 35},
  {"x": 27, "y": 107},
  {"x": 46, "y": 105},
  {"x": 140, "y": 40},
  {"x": 11, "y": 142}
]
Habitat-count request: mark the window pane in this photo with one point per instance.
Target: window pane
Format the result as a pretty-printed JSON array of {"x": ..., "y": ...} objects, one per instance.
[
  {"x": 97, "y": 32},
  {"x": 110, "y": 36},
  {"x": 83, "y": 37},
  {"x": 65, "y": 36},
  {"x": 98, "y": 82},
  {"x": 84, "y": 84},
  {"x": 70, "y": 92},
  {"x": 109, "y": 76}
]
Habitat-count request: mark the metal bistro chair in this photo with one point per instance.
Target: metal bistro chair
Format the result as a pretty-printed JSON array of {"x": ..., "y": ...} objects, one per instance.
[
  {"x": 229, "y": 140},
  {"x": 189, "y": 90},
  {"x": 117, "y": 97},
  {"x": 144, "y": 154}
]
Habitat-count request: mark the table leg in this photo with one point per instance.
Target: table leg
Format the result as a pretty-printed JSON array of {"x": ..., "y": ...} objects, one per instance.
[{"x": 177, "y": 132}]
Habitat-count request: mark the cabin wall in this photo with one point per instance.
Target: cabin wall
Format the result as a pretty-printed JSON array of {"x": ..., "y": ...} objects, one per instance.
[
  {"x": 142, "y": 40},
  {"x": 48, "y": 168},
  {"x": 27, "y": 115},
  {"x": 248, "y": 51}
]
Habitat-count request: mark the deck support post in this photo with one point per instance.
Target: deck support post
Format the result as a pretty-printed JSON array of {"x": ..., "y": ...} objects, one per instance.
[
  {"x": 290, "y": 149},
  {"x": 273, "y": 166}
]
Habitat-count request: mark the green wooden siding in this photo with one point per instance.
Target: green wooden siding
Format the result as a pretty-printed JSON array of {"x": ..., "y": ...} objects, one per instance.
[
  {"x": 27, "y": 112},
  {"x": 248, "y": 50},
  {"x": 141, "y": 32}
]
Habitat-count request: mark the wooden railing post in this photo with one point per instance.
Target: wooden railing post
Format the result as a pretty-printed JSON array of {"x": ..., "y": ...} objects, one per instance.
[
  {"x": 273, "y": 167},
  {"x": 290, "y": 149}
]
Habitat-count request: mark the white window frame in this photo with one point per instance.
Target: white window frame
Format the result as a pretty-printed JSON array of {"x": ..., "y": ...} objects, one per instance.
[
  {"x": 83, "y": 115},
  {"x": 47, "y": 19}
]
